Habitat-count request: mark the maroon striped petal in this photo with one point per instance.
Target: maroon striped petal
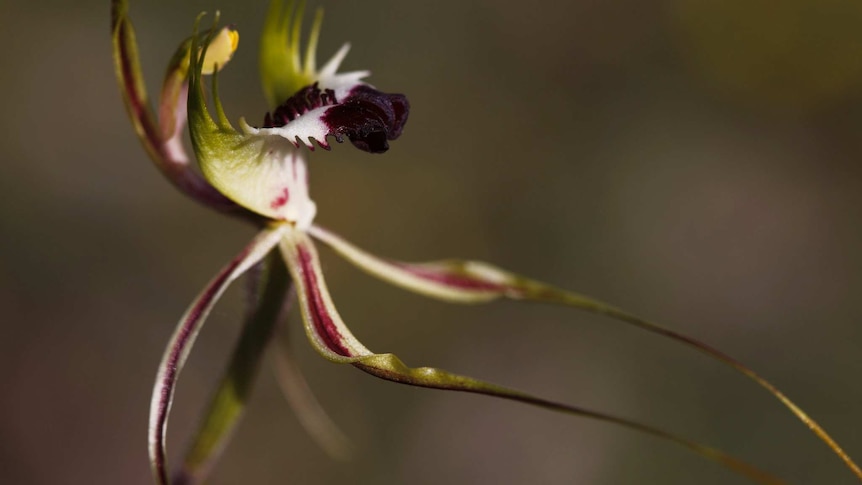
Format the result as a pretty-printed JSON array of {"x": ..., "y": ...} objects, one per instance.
[
  {"x": 450, "y": 280},
  {"x": 475, "y": 282},
  {"x": 331, "y": 338},
  {"x": 324, "y": 327},
  {"x": 269, "y": 292},
  {"x": 183, "y": 338}
]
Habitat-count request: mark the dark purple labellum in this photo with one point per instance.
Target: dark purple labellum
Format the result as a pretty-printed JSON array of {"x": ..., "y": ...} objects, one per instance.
[{"x": 369, "y": 118}]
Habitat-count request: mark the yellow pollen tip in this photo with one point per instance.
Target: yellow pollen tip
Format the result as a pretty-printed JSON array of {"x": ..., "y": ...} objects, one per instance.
[
  {"x": 234, "y": 39},
  {"x": 220, "y": 50}
]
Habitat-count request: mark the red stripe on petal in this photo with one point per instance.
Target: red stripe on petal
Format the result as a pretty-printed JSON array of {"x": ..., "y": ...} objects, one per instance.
[
  {"x": 169, "y": 379},
  {"x": 324, "y": 325},
  {"x": 136, "y": 104},
  {"x": 451, "y": 279}
]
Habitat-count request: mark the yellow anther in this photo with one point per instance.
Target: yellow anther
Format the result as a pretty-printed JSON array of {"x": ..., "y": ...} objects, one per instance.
[{"x": 220, "y": 50}]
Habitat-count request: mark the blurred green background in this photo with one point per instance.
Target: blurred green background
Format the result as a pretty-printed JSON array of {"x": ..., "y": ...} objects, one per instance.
[{"x": 695, "y": 162}]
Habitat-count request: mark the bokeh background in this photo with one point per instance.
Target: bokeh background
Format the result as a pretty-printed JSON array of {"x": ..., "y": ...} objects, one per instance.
[{"x": 695, "y": 162}]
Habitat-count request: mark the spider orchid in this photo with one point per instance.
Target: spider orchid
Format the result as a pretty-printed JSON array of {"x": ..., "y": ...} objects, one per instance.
[{"x": 259, "y": 173}]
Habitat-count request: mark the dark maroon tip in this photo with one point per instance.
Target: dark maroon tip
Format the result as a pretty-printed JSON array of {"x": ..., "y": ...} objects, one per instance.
[
  {"x": 369, "y": 118},
  {"x": 366, "y": 116}
]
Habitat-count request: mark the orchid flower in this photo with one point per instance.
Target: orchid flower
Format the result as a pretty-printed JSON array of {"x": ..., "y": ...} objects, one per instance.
[{"x": 259, "y": 173}]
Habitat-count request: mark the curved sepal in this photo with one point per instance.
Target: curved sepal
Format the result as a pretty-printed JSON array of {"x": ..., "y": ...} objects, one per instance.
[
  {"x": 264, "y": 174},
  {"x": 127, "y": 68},
  {"x": 333, "y": 340},
  {"x": 476, "y": 282},
  {"x": 270, "y": 295},
  {"x": 163, "y": 142},
  {"x": 183, "y": 338}
]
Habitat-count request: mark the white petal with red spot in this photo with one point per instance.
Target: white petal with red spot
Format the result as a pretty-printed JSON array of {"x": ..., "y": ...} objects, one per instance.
[{"x": 273, "y": 184}]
